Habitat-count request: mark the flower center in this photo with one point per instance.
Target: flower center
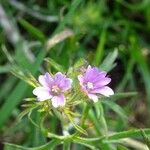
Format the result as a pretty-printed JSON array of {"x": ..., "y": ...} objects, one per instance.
[
  {"x": 55, "y": 90},
  {"x": 90, "y": 85}
]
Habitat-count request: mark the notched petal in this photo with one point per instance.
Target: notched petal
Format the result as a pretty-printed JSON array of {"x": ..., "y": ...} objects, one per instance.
[
  {"x": 42, "y": 93},
  {"x": 93, "y": 97},
  {"x": 105, "y": 90},
  {"x": 45, "y": 80},
  {"x": 58, "y": 101}
]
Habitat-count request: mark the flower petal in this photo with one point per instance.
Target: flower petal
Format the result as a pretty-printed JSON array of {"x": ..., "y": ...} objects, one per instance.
[
  {"x": 63, "y": 83},
  {"x": 93, "y": 73},
  {"x": 58, "y": 101},
  {"x": 102, "y": 82},
  {"x": 100, "y": 76},
  {"x": 93, "y": 97},
  {"x": 59, "y": 76},
  {"x": 42, "y": 93},
  {"x": 105, "y": 90},
  {"x": 45, "y": 80}
]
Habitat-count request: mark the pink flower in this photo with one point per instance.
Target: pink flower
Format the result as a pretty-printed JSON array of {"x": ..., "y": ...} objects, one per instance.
[
  {"x": 94, "y": 82},
  {"x": 53, "y": 87}
]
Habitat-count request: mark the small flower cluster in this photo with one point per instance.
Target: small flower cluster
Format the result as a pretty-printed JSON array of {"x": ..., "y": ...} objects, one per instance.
[{"x": 92, "y": 81}]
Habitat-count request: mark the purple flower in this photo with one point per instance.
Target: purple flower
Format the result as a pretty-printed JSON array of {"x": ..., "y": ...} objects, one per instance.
[
  {"x": 93, "y": 82},
  {"x": 53, "y": 87}
]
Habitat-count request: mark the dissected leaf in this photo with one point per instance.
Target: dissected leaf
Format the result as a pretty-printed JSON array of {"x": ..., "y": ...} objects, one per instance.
[{"x": 146, "y": 138}]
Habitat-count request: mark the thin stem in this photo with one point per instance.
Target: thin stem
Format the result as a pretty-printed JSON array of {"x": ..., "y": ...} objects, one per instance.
[
  {"x": 66, "y": 145},
  {"x": 60, "y": 137},
  {"x": 85, "y": 114}
]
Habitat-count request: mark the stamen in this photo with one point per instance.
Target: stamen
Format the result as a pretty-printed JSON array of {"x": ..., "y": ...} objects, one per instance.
[
  {"x": 55, "y": 89},
  {"x": 90, "y": 85}
]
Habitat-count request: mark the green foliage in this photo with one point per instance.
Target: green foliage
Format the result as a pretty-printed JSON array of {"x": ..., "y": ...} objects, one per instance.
[
  {"x": 52, "y": 36},
  {"x": 33, "y": 30},
  {"x": 146, "y": 139}
]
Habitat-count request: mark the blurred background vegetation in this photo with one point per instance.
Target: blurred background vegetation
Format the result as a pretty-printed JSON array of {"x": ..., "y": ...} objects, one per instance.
[{"x": 96, "y": 30}]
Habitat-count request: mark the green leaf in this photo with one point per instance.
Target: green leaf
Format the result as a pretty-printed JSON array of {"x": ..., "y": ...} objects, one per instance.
[
  {"x": 127, "y": 75},
  {"x": 7, "y": 86},
  {"x": 137, "y": 55},
  {"x": 100, "y": 48},
  {"x": 5, "y": 69},
  {"x": 115, "y": 137},
  {"x": 9, "y": 146},
  {"x": 25, "y": 76},
  {"x": 66, "y": 145},
  {"x": 32, "y": 121},
  {"x": 127, "y": 134},
  {"x": 73, "y": 7},
  {"x": 146, "y": 138},
  {"x": 80, "y": 141},
  {"x": 119, "y": 96},
  {"x": 120, "y": 147},
  {"x": 96, "y": 122},
  {"x": 48, "y": 146},
  {"x": 81, "y": 130},
  {"x": 116, "y": 108},
  {"x": 108, "y": 63},
  {"x": 12, "y": 100},
  {"x": 101, "y": 118},
  {"x": 33, "y": 12},
  {"x": 28, "y": 110},
  {"x": 54, "y": 64},
  {"x": 23, "y": 113},
  {"x": 77, "y": 127},
  {"x": 35, "y": 32},
  {"x": 142, "y": 5},
  {"x": 100, "y": 127}
]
